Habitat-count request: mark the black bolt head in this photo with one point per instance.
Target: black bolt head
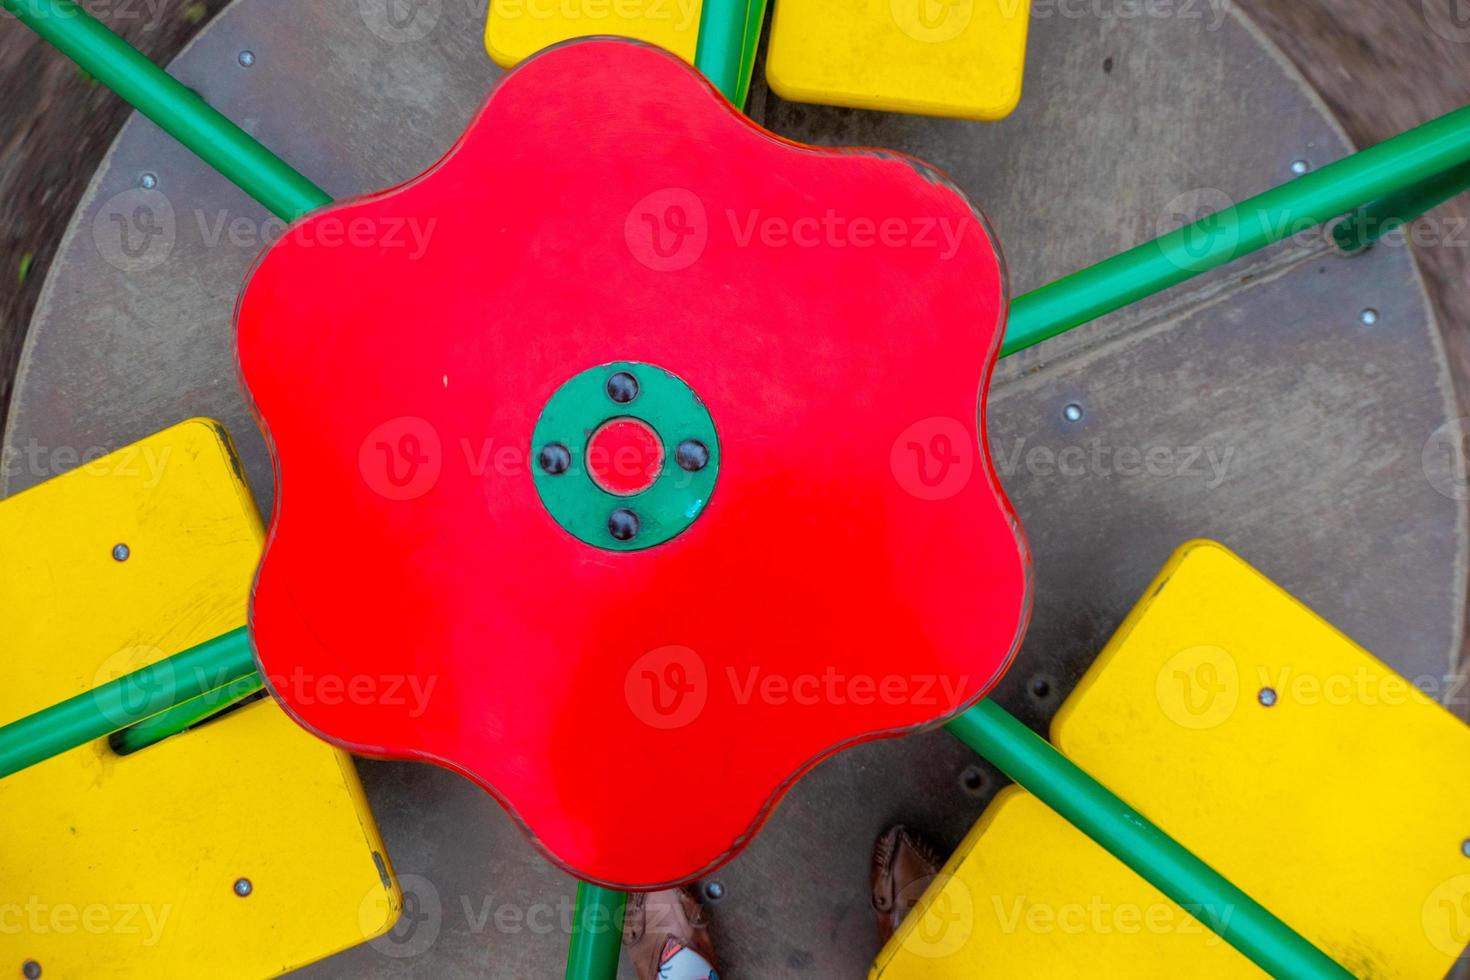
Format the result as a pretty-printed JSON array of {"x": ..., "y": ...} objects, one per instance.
[
  {"x": 622, "y": 387},
  {"x": 692, "y": 455},
  {"x": 555, "y": 459},
  {"x": 30, "y": 969},
  {"x": 622, "y": 524}
]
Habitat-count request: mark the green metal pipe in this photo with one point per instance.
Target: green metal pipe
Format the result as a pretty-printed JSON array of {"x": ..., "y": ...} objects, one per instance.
[
  {"x": 1160, "y": 860},
  {"x": 182, "y": 717},
  {"x": 729, "y": 31},
  {"x": 1423, "y": 154},
  {"x": 597, "y": 933},
  {"x": 1372, "y": 221},
  {"x": 125, "y": 701},
  {"x": 177, "y": 110}
]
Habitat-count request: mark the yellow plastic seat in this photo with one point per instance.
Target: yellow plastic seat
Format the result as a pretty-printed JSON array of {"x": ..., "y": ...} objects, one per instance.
[
  {"x": 127, "y": 867},
  {"x": 1287, "y": 757},
  {"x": 517, "y": 29},
  {"x": 962, "y": 58}
]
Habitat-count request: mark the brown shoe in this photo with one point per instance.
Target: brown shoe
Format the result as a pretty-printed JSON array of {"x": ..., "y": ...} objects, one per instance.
[
  {"x": 903, "y": 866},
  {"x": 658, "y": 924}
]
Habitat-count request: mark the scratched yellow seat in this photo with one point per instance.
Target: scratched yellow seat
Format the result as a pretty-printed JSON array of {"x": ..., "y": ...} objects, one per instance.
[
  {"x": 516, "y": 29},
  {"x": 1287, "y": 757},
  {"x": 962, "y": 58},
  {"x": 127, "y": 866}
]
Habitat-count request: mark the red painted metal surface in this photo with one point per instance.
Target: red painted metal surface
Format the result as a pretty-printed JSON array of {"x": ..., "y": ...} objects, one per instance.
[{"x": 857, "y": 571}]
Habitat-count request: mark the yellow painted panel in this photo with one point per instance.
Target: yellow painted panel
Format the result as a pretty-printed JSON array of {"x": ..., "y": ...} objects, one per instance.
[
  {"x": 963, "y": 58},
  {"x": 517, "y": 29},
  {"x": 125, "y": 867},
  {"x": 1029, "y": 896},
  {"x": 1294, "y": 762}
]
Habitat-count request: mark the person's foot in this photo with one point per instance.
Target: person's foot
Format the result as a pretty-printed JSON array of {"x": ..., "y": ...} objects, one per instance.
[
  {"x": 667, "y": 936},
  {"x": 903, "y": 866}
]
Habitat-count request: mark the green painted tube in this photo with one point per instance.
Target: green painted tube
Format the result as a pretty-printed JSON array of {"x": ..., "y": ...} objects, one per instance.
[
  {"x": 725, "y": 49},
  {"x": 177, "y": 110},
  {"x": 1129, "y": 836},
  {"x": 182, "y": 717},
  {"x": 597, "y": 933},
  {"x": 125, "y": 701},
  {"x": 1372, "y": 221},
  {"x": 1420, "y": 155}
]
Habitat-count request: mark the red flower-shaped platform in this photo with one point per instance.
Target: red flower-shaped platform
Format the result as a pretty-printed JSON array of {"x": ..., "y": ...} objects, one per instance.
[{"x": 639, "y": 703}]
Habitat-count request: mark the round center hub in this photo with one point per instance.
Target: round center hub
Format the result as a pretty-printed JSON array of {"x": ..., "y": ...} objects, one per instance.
[{"x": 625, "y": 456}]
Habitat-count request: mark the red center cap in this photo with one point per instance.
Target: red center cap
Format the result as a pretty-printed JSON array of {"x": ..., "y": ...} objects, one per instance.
[{"x": 624, "y": 456}]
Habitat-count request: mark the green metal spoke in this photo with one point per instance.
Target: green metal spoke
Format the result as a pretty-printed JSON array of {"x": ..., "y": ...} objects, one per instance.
[
  {"x": 178, "y": 111},
  {"x": 1428, "y": 153},
  {"x": 1374, "y": 220},
  {"x": 177, "y": 719},
  {"x": 729, "y": 31},
  {"x": 597, "y": 933},
  {"x": 1129, "y": 836},
  {"x": 125, "y": 701}
]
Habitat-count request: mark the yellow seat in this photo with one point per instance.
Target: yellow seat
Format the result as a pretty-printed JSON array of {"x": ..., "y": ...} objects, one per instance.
[
  {"x": 128, "y": 866},
  {"x": 1288, "y": 758},
  {"x": 517, "y": 29},
  {"x": 962, "y": 58}
]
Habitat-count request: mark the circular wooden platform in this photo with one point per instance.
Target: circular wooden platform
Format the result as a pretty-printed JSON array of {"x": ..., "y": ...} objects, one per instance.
[{"x": 1261, "y": 406}]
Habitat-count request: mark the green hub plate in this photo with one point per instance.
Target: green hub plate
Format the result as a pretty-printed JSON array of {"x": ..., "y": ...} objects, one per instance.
[{"x": 676, "y": 497}]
